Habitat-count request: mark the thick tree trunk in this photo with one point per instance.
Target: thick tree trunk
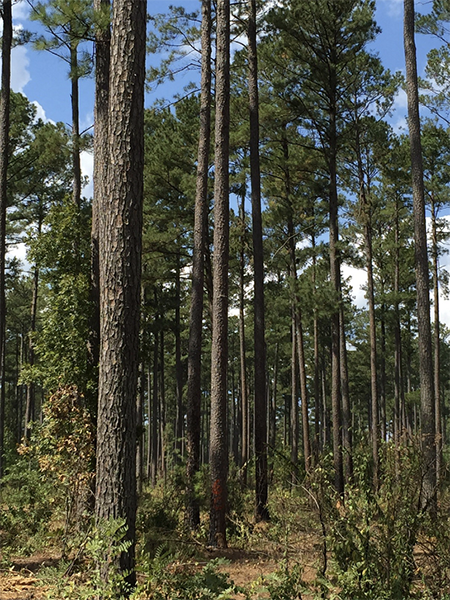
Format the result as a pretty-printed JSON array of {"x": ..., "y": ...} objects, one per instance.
[
  {"x": 120, "y": 275},
  {"x": 427, "y": 398},
  {"x": 193, "y": 425},
  {"x": 260, "y": 400},
  {"x": 219, "y": 346}
]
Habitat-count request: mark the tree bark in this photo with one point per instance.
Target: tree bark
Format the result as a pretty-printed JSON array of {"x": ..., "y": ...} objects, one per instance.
[
  {"x": 437, "y": 340},
  {"x": 101, "y": 160},
  {"x": 120, "y": 275},
  {"x": 245, "y": 439},
  {"x": 193, "y": 424},
  {"x": 219, "y": 349},
  {"x": 260, "y": 399},
  {"x": 4, "y": 155},
  {"x": 427, "y": 398}
]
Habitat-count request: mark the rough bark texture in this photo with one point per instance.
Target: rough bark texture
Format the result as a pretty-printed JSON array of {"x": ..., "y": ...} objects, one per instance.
[
  {"x": 101, "y": 160},
  {"x": 120, "y": 273},
  {"x": 4, "y": 134},
  {"x": 219, "y": 351},
  {"x": 260, "y": 401},
  {"x": 196, "y": 310},
  {"x": 421, "y": 258}
]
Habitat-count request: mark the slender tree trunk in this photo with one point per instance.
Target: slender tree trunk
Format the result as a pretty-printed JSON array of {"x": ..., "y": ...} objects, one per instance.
[
  {"x": 335, "y": 277},
  {"x": 155, "y": 395},
  {"x": 76, "y": 165},
  {"x": 383, "y": 372},
  {"x": 399, "y": 397},
  {"x": 294, "y": 400},
  {"x": 193, "y": 417},
  {"x": 140, "y": 429},
  {"x": 437, "y": 341},
  {"x": 219, "y": 347},
  {"x": 242, "y": 350},
  {"x": 273, "y": 402},
  {"x": 427, "y": 398},
  {"x": 366, "y": 213},
  {"x": 31, "y": 387},
  {"x": 178, "y": 364},
  {"x": 101, "y": 160},
  {"x": 120, "y": 276},
  {"x": 260, "y": 399},
  {"x": 4, "y": 153},
  {"x": 347, "y": 434},
  {"x": 317, "y": 420}
]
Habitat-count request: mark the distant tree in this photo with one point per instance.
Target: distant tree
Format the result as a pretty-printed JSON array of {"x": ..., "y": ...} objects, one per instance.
[
  {"x": 4, "y": 157},
  {"x": 198, "y": 268},
  {"x": 219, "y": 347},
  {"x": 68, "y": 23},
  {"x": 260, "y": 403},
  {"x": 421, "y": 256}
]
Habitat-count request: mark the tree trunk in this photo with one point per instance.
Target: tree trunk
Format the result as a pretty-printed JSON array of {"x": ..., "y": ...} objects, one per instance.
[
  {"x": 101, "y": 160},
  {"x": 437, "y": 341},
  {"x": 31, "y": 387},
  {"x": 76, "y": 165},
  {"x": 4, "y": 153},
  {"x": 294, "y": 401},
  {"x": 347, "y": 436},
  {"x": 427, "y": 398},
  {"x": 242, "y": 351},
  {"x": 193, "y": 424},
  {"x": 120, "y": 274},
  {"x": 219, "y": 345},
  {"x": 335, "y": 277},
  {"x": 178, "y": 364},
  {"x": 260, "y": 398}
]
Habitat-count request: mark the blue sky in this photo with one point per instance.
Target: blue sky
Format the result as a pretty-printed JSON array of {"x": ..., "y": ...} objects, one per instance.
[{"x": 43, "y": 79}]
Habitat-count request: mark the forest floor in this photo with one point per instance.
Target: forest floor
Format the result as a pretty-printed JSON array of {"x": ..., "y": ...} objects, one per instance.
[{"x": 250, "y": 567}]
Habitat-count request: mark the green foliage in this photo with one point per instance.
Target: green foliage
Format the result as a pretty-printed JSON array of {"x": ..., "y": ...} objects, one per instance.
[
  {"x": 372, "y": 534},
  {"x": 64, "y": 448},
  {"x": 62, "y": 254},
  {"x": 286, "y": 583},
  {"x": 100, "y": 576},
  {"x": 160, "y": 510},
  {"x": 27, "y": 503},
  {"x": 166, "y": 582}
]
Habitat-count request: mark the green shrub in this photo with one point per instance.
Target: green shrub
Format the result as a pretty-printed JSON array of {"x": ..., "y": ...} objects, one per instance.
[{"x": 27, "y": 504}]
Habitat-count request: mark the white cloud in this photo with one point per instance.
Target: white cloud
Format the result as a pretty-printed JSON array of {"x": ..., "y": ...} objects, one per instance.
[
  {"x": 20, "y": 74},
  {"x": 358, "y": 279},
  {"x": 40, "y": 113},
  {"x": 87, "y": 169},
  {"x": 20, "y": 9}
]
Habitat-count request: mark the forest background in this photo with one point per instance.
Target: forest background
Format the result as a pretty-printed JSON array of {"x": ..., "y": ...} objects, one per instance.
[{"x": 342, "y": 428}]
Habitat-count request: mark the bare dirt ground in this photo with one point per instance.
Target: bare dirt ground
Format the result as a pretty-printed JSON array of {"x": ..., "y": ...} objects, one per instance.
[{"x": 246, "y": 568}]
